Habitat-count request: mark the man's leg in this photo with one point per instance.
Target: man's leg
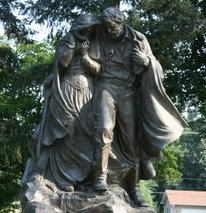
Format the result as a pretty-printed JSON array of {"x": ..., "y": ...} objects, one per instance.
[
  {"x": 105, "y": 113},
  {"x": 127, "y": 122},
  {"x": 131, "y": 185}
]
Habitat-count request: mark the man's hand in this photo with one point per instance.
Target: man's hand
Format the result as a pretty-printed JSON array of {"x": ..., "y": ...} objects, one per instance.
[{"x": 139, "y": 57}]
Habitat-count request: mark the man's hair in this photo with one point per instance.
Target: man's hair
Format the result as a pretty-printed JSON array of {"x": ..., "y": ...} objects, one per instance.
[{"x": 112, "y": 14}]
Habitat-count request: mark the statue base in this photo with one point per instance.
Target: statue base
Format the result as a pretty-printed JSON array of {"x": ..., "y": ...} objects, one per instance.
[{"x": 41, "y": 195}]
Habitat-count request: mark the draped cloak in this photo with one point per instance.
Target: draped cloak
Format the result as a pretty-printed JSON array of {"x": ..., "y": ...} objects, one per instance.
[
  {"x": 64, "y": 136},
  {"x": 158, "y": 122},
  {"x": 67, "y": 130}
]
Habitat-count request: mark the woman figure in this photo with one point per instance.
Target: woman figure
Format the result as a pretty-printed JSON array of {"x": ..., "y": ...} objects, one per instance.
[{"x": 64, "y": 137}]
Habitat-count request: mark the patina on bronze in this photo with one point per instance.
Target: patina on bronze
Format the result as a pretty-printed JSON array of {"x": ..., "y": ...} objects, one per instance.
[
  {"x": 64, "y": 136},
  {"x": 131, "y": 107},
  {"x": 106, "y": 117}
]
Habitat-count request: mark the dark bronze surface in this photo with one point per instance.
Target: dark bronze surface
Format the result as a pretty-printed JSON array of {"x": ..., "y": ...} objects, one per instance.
[{"x": 106, "y": 115}]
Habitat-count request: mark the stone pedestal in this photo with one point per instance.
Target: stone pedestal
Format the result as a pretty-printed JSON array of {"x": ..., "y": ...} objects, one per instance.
[{"x": 41, "y": 196}]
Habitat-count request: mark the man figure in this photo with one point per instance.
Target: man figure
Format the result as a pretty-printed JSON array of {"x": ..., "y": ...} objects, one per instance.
[
  {"x": 125, "y": 56},
  {"x": 115, "y": 97}
]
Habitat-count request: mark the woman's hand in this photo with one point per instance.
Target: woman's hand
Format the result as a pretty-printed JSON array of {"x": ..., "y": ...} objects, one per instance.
[{"x": 84, "y": 48}]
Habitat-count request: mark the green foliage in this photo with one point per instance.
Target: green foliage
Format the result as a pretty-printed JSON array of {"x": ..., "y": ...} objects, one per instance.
[
  {"x": 175, "y": 29},
  {"x": 147, "y": 187},
  {"x": 169, "y": 170},
  {"x": 13, "y": 207},
  {"x": 194, "y": 162},
  {"x": 34, "y": 54},
  {"x": 61, "y": 12},
  {"x": 176, "y": 32},
  {"x": 20, "y": 108},
  {"x": 14, "y": 26},
  {"x": 169, "y": 167}
]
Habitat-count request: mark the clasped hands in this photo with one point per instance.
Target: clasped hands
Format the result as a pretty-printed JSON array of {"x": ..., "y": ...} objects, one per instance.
[{"x": 84, "y": 48}]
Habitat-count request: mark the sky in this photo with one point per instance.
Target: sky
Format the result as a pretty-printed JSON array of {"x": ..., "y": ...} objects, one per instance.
[{"x": 1, "y": 29}]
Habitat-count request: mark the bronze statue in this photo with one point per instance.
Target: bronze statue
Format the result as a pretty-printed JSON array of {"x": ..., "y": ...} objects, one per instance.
[
  {"x": 131, "y": 107},
  {"x": 107, "y": 116},
  {"x": 64, "y": 137}
]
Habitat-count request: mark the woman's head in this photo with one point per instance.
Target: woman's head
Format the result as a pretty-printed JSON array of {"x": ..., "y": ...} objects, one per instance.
[
  {"x": 82, "y": 26},
  {"x": 84, "y": 21}
]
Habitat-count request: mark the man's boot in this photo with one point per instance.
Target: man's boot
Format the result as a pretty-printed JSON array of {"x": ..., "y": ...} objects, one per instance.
[
  {"x": 137, "y": 198},
  {"x": 101, "y": 157},
  {"x": 131, "y": 185}
]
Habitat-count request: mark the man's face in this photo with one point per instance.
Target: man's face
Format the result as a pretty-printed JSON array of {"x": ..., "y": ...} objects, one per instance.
[{"x": 114, "y": 29}]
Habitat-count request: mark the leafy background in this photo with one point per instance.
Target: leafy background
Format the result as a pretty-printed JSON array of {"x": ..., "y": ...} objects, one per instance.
[{"x": 176, "y": 30}]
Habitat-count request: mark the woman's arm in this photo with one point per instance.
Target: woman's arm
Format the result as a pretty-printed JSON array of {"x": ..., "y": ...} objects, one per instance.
[{"x": 91, "y": 64}]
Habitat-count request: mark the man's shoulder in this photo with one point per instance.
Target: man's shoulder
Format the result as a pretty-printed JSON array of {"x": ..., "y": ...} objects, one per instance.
[
  {"x": 134, "y": 34},
  {"x": 139, "y": 35}
]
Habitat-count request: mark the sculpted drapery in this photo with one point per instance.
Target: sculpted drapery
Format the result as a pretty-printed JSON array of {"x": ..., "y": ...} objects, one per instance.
[
  {"x": 106, "y": 109},
  {"x": 64, "y": 137}
]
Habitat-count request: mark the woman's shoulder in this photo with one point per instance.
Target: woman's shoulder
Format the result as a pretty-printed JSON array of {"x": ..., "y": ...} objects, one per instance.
[{"x": 68, "y": 39}]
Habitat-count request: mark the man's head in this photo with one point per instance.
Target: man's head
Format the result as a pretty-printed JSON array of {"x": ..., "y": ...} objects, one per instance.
[{"x": 112, "y": 20}]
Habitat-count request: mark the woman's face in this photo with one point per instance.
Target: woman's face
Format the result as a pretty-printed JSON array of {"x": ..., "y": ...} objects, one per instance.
[{"x": 86, "y": 31}]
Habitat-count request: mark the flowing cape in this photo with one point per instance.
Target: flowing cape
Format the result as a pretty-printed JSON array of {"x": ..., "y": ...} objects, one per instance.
[
  {"x": 57, "y": 121},
  {"x": 158, "y": 121},
  {"x": 161, "y": 123}
]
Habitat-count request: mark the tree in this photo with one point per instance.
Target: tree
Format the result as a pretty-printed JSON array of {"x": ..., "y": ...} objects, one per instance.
[
  {"x": 177, "y": 35},
  {"x": 172, "y": 28},
  {"x": 58, "y": 14},
  {"x": 8, "y": 63},
  {"x": 194, "y": 170},
  {"x": 169, "y": 170},
  {"x": 20, "y": 108},
  {"x": 147, "y": 187},
  {"x": 194, "y": 161},
  {"x": 175, "y": 29},
  {"x": 14, "y": 27}
]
